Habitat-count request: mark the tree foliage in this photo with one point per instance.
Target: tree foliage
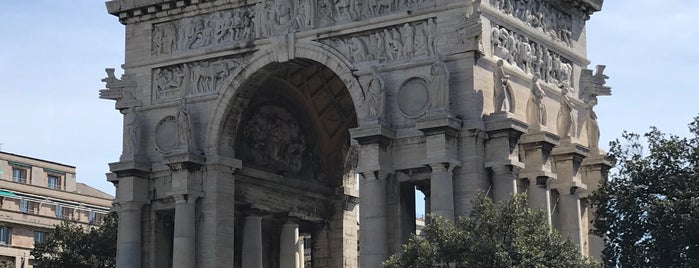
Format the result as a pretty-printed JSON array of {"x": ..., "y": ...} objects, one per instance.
[
  {"x": 649, "y": 208},
  {"x": 72, "y": 245},
  {"x": 504, "y": 234}
]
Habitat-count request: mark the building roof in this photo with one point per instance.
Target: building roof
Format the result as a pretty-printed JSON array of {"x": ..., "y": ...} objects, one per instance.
[
  {"x": 84, "y": 189},
  {"x": 36, "y": 159}
]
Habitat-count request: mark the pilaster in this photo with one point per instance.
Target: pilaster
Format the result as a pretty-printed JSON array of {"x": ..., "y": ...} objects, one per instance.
[{"x": 501, "y": 152}]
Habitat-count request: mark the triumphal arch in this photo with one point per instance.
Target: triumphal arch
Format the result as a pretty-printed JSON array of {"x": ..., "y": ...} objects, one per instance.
[{"x": 295, "y": 133}]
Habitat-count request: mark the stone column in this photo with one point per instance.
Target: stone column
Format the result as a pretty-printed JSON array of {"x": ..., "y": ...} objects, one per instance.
[
  {"x": 215, "y": 235},
  {"x": 568, "y": 157},
  {"x": 186, "y": 188},
  {"x": 131, "y": 196},
  {"x": 504, "y": 181},
  {"x": 539, "y": 196},
  {"x": 569, "y": 215},
  {"x": 596, "y": 168},
  {"x": 375, "y": 165},
  {"x": 537, "y": 146},
  {"x": 129, "y": 235},
  {"x": 441, "y": 133},
  {"x": 288, "y": 245},
  {"x": 373, "y": 231},
  {"x": 183, "y": 255},
  {"x": 502, "y": 152},
  {"x": 441, "y": 187},
  {"x": 302, "y": 260},
  {"x": 252, "y": 242}
]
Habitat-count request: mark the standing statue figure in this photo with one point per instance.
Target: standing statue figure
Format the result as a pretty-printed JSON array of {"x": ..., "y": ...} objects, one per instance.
[
  {"x": 184, "y": 135},
  {"x": 132, "y": 133},
  {"x": 535, "y": 112},
  {"x": 565, "y": 116},
  {"x": 439, "y": 86},
  {"x": 374, "y": 97},
  {"x": 502, "y": 89},
  {"x": 592, "y": 125}
]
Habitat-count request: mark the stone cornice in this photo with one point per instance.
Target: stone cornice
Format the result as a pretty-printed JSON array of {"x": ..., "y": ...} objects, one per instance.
[
  {"x": 587, "y": 7},
  {"x": 126, "y": 9}
]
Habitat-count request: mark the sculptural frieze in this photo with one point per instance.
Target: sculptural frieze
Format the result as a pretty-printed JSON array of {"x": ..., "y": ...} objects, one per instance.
[
  {"x": 530, "y": 57},
  {"x": 194, "y": 78},
  {"x": 540, "y": 15},
  {"x": 227, "y": 27},
  {"x": 273, "y": 139},
  {"x": 396, "y": 43},
  {"x": 334, "y": 11}
]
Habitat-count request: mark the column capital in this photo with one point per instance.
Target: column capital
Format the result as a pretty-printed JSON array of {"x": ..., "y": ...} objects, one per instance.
[
  {"x": 178, "y": 161},
  {"x": 445, "y": 124},
  {"x": 444, "y": 166},
  {"x": 376, "y": 174},
  {"x": 380, "y": 134},
  {"x": 125, "y": 206},
  {"x": 570, "y": 188},
  {"x": 185, "y": 199},
  {"x": 130, "y": 168},
  {"x": 540, "y": 139},
  {"x": 504, "y": 122}
]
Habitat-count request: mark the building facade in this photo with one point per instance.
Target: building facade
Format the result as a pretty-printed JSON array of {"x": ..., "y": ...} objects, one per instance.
[
  {"x": 245, "y": 122},
  {"x": 36, "y": 195}
]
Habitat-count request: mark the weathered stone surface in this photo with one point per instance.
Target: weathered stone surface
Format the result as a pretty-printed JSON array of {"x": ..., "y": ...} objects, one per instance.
[{"x": 262, "y": 113}]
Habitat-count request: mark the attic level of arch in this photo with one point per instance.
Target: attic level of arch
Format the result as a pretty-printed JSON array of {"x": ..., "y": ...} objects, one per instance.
[{"x": 135, "y": 11}]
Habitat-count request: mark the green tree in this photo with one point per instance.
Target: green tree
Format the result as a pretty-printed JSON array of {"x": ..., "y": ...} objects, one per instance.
[
  {"x": 648, "y": 209},
  {"x": 72, "y": 245},
  {"x": 504, "y": 234}
]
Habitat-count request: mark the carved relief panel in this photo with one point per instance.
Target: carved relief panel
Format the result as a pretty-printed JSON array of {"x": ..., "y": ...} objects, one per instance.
[
  {"x": 220, "y": 28},
  {"x": 396, "y": 43},
  {"x": 531, "y": 57},
  {"x": 267, "y": 18},
  {"x": 272, "y": 139},
  {"x": 194, "y": 78},
  {"x": 540, "y": 15}
]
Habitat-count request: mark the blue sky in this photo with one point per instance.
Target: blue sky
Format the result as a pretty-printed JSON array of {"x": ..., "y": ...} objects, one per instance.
[{"x": 54, "y": 53}]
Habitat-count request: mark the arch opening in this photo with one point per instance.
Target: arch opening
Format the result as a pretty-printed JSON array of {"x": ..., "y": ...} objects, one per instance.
[{"x": 288, "y": 123}]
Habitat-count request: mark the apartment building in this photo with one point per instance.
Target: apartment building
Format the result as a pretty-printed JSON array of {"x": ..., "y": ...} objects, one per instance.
[{"x": 36, "y": 195}]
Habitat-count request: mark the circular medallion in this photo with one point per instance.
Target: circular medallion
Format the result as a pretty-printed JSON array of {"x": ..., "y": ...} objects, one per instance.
[
  {"x": 412, "y": 97},
  {"x": 166, "y": 134}
]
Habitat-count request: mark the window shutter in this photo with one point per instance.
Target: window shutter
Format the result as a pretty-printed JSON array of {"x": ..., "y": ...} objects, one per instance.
[{"x": 23, "y": 205}]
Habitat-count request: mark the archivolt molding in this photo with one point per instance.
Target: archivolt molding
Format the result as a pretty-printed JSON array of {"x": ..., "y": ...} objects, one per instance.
[{"x": 231, "y": 97}]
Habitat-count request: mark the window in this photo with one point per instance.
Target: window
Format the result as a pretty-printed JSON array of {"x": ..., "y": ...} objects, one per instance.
[
  {"x": 19, "y": 175},
  {"x": 5, "y": 233},
  {"x": 64, "y": 212},
  {"x": 29, "y": 207},
  {"x": 95, "y": 217},
  {"x": 39, "y": 237},
  {"x": 54, "y": 182},
  {"x": 23, "y": 205}
]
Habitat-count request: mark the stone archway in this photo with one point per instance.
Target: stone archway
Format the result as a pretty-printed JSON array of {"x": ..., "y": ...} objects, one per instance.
[{"x": 288, "y": 125}]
